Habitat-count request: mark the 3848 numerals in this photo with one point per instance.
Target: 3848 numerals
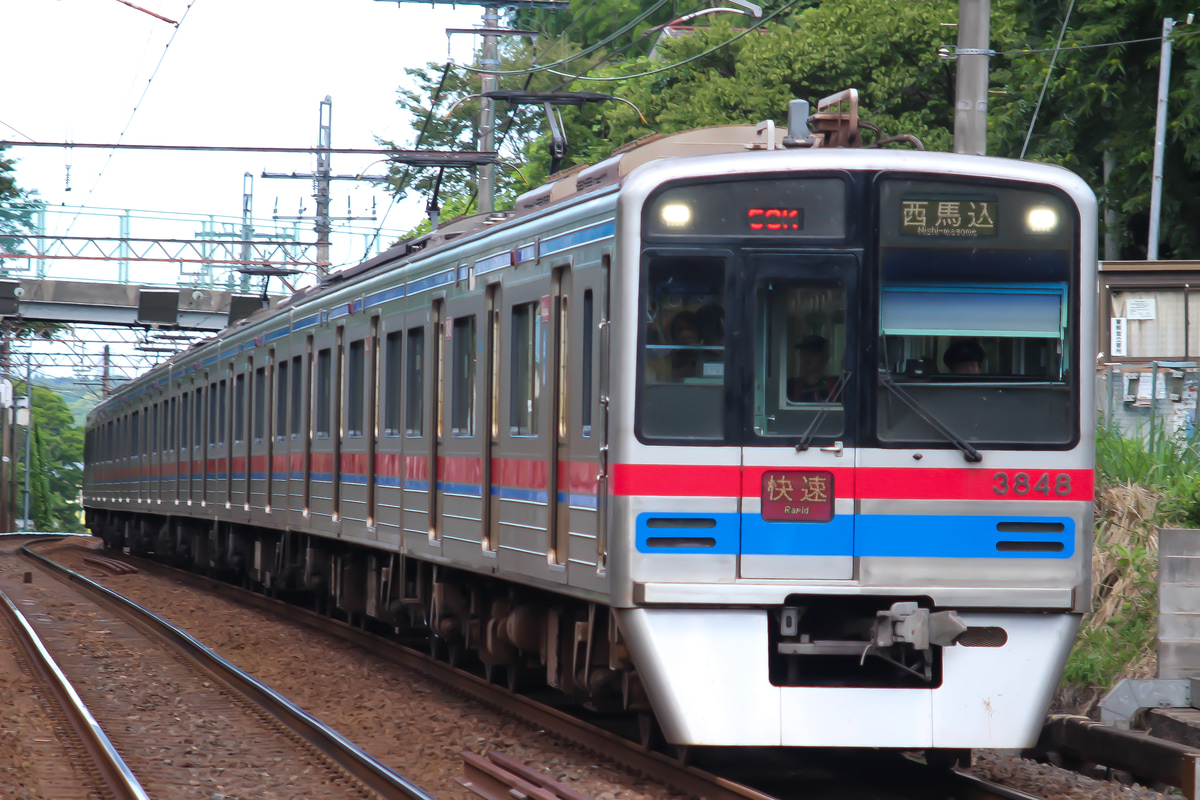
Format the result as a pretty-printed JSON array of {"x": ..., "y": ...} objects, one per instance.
[{"x": 1023, "y": 483}]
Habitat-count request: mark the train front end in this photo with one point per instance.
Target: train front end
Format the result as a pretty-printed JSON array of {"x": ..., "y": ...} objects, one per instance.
[{"x": 852, "y": 444}]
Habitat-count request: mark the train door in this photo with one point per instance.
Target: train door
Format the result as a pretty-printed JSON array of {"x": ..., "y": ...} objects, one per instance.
[
  {"x": 797, "y": 470},
  {"x": 558, "y": 469},
  {"x": 443, "y": 327}
]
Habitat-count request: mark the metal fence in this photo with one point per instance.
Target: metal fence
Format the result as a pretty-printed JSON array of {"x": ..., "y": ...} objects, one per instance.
[{"x": 1157, "y": 398}]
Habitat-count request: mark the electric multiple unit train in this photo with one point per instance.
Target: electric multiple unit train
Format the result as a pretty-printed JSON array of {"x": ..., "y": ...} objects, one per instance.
[{"x": 775, "y": 443}]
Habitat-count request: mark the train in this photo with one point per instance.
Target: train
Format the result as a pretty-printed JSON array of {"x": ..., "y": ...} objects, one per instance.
[{"x": 761, "y": 435}]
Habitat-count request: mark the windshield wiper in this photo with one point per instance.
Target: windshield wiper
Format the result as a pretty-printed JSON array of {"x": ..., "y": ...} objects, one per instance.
[
  {"x": 835, "y": 395},
  {"x": 969, "y": 453}
]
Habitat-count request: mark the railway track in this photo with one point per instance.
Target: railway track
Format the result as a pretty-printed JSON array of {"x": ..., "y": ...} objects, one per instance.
[
  {"x": 147, "y": 711},
  {"x": 715, "y": 776}
]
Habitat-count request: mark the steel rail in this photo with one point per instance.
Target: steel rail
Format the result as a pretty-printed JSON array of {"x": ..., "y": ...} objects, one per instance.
[
  {"x": 370, "y": 772},
  {"x": 115, "y": 773},
  {"x": 657, "y": 766}
]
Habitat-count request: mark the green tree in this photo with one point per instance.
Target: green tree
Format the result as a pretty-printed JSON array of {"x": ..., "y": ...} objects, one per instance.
[
  {"x": 1101, "y": 98},
  {"x": 17, "y": 207},
  {"x": 56, "y": 469}
]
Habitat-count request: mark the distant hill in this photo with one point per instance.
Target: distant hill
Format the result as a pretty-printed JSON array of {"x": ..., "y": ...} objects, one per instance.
[{"x": 80, "y": 396}]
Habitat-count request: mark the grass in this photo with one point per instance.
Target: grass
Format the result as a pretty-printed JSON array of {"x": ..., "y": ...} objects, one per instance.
[{"x": 1141, "y": 486}]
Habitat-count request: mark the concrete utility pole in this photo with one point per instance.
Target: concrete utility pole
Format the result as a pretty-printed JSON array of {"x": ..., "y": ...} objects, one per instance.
[
  {"x": 28, "y": 436},
  {"x": 970, "y": 110},
  {"x": 1160, "y": 139},
  {"x": 321, "y": 186},
  {"x": 487, "y": 110}
]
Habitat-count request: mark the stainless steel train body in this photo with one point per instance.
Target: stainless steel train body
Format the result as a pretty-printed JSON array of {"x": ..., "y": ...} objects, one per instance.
[{"x": 684, "y": 432}]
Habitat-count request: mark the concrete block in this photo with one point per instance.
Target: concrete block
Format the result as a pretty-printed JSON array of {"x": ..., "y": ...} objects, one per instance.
[
  {"x": 1173, "y": 598},
  {"x": 1178, "y": 659},
  {"x": 1178, "y": 542},
  {"x": 1184, "y": 570},
  {"x": 1179, "y": 627}
]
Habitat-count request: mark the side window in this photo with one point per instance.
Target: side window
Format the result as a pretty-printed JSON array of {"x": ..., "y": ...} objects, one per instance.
[
  {"x": 355, "y": 378},
  {"x": 281, "y": 397},
  {"x": 297, "y": 396},
  {"x": 239, "y": 408},
  {"x": 585, "y": 391},
  {"x": 260, "y": 404},
  {"x": 222, "y": 419},
  {"x": 324, "y": 383},
  {"x": 136, "y": 429},
  {"x": 185, "y": 428},
  {"x": 462, "y": 421},
  {"x": 415, "y": 357},
  {"x": 393, "y": 356},
  {"x": 522, "y": 418}
]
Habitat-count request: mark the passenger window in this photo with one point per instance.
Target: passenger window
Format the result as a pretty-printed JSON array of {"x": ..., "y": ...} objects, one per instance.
[
  {"x": 800, "y": 356},
  {"x": 683, "y": 348},
  {"x": 355, "y": 379},
  {"x": 393, "y": 354},
  {"x": 281, "y": 398},
  {"x": 324, "y": 387},
  {"x": 414, "y": 409},
  {"x": 462, "y": 421},
  {"x": 522, "y": 415}
]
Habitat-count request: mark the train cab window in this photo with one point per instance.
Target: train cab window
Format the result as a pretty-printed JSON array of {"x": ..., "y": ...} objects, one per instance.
[
  {"x": 393, "y": 356},
  {"x": 355, "y": 387},
  {"x": 462, "y": 419},
  {"x": 415, "y": 381},
  {"x": 682, "y": 392},
  {"x": 324, "y": 383},
  {"x": 524, "y": 388},
  {"x": 799, "y": 358},
  {"x": 975, "y": 315}
]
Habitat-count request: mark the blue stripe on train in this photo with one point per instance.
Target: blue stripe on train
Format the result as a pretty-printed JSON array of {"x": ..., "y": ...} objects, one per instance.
[{"x": 864, "y": 535}]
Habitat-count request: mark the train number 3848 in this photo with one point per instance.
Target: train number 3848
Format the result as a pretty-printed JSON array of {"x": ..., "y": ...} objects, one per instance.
[{"x": 1024, "y": 483}]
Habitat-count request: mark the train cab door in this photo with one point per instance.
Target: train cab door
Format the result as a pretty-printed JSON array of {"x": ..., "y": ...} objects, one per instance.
[
  {"x": 558, "y": 474},
  {"x": 799, "y": 380}
]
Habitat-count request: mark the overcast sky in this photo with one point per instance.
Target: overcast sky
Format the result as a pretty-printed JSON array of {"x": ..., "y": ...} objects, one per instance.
[{"x": 239, "y": 72}]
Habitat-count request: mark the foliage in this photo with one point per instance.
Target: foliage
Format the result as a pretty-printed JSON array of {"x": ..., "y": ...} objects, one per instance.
[
  {"x": 1102, "y": 99},
  {"x": 17, "y": 207},
  {"x": 886, "y": 49},
  {"x": 1143, "y": 483},
  {"x": 56, "y": 456}
]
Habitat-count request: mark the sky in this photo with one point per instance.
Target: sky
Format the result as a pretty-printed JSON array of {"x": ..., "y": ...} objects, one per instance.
[{"x": 238, "y": 72}]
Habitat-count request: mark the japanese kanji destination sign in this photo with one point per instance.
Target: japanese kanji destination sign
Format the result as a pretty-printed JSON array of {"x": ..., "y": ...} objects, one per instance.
[
  {"x": 948, "y": 216},
  {"x": 797, "y": 496}
]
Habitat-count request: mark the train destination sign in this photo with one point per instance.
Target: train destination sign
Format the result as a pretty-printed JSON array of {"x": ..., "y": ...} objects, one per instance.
[
  {"x": 808, "y": 208},
  {"x": 955, "y": 217},
  {"x": 797, "y": 496}
]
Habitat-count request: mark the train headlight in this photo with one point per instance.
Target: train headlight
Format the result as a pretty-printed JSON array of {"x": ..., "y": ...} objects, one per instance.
[
  {"x": 1041, "y": 219},
  {"x": 676, "y": 215}
]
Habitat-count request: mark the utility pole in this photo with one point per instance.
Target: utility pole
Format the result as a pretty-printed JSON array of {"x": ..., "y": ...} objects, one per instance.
[
  {"x": 487, "y": 109},
  {"x": 1160, "y": 138},
  {"x": 970, "y": 109},
  {"x": 321, "y": 185},
  {"x": 28, "y": 435},
  {"x": 248, "y": 223},
  {"x": 488, "y": 60}
]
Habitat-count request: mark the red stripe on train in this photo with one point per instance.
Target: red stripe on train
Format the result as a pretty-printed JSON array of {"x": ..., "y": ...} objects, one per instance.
[{"x": 864, "y": 483}]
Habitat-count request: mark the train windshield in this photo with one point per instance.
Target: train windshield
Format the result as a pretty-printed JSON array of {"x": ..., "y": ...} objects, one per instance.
[
  {"x": 683, "y": 351},
  {"x": 975, "y": 316}
]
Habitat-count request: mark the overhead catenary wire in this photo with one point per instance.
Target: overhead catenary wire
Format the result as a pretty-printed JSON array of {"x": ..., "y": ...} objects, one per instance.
[
  {"x": 1046, "y": 83},
  {"x": 178, "y": 26},
  {"x": 677, "y": 64}
]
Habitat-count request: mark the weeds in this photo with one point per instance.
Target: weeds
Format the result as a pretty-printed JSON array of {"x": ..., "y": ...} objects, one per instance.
[{"x": 1141, "y": 486}]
